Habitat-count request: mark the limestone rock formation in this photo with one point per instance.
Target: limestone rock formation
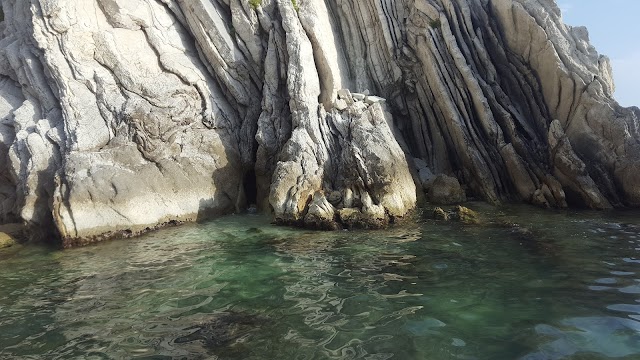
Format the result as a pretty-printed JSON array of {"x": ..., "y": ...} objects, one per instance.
[
  {"x": 120, "y": 116},
  {"x": 351, "y": 154}
]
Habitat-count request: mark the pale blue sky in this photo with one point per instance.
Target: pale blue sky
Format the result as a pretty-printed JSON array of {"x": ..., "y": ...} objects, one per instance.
[{"x": 614, "y": 29}]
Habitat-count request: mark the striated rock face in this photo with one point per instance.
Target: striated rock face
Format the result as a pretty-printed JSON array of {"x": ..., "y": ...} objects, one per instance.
[
  {"x": 119, "y": 116},
  {"x": 346, "y": 159}
]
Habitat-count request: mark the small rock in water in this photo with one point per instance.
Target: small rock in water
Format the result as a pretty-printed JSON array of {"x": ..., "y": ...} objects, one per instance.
[
  {"x": 465, "y": 215},
  {"x": 440, "y": 214},
  {"x": 458, "y": 213},
  {"x": 6, "y": 241}
]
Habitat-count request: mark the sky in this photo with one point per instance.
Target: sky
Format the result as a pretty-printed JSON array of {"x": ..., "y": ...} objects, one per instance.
[{"x": 614, "y": 30}]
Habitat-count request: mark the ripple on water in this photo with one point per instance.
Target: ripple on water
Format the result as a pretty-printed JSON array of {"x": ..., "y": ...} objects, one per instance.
[{"x": 239, "y": 288}]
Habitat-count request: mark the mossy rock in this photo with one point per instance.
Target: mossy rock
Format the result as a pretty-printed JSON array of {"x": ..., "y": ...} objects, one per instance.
[
  {"x": 465, "y": 215},
  {"x": 6, "y": 240},
  {"x": 11, "y": 234},
  {"x": 440, "y": 214},
  {"x": 458, "y": 213},
  {"x": 350, "y": 216},
  {"x": 355, "y": 218},
  {"x": 255, "y": 3}
]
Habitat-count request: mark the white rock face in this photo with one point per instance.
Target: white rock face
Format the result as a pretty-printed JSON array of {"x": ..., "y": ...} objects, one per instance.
[
  {"x": 114, "y": 135},
  {"x": 120, "y": 116}
]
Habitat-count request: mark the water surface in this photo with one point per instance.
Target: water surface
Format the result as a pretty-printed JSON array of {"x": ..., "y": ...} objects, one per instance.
[{"x": 527, "y": 284}]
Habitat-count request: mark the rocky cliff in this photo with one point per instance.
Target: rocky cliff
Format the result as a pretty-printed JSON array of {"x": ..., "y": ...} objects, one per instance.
[{"x": 119, "y": 116}]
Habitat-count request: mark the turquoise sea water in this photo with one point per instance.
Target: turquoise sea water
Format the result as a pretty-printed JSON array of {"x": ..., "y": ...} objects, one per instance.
[{"x": 527, "y": 284}]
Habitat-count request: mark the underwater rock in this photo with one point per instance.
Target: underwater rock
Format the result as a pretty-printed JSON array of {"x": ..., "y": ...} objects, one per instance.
[
  {"x": 604, "y": 336},
  {"x": 223, "y": 329}
]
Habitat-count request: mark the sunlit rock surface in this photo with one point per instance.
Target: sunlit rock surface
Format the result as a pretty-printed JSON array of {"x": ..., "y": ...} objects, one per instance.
[{"x": 120, "y": 116}]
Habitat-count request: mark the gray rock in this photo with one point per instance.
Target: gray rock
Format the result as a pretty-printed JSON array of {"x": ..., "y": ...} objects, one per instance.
[
  {"x": 335, "y": 197},
  {"x": 321, "y": 213},
  {"x": 345, "y": 95},
  {"x": 444, "y": 190},
  {"x": 426, "y": 178},
  {"x": 341, "y": 105},
  {"x": 368, "y": 162}
]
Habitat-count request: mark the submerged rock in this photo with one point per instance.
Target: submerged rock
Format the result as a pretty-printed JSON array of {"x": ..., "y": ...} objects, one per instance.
[
  {"x": 149, "y": 113},
  {"x": 223, "y": 329}
]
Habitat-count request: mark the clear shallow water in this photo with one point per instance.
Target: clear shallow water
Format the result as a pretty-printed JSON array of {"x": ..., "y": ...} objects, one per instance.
[{"x": 562, "y": 285}]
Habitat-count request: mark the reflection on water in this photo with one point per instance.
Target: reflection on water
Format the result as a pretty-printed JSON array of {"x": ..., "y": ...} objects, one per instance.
[{"x": 528, "y": 284}]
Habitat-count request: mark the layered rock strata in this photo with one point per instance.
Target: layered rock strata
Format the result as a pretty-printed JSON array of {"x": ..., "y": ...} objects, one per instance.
[
  {"x": 119, "y": 116},
  {"x": 344, "y": 167}
]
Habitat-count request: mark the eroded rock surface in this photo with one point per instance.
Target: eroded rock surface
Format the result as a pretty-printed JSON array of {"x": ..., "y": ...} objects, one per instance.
[
  {"x": 356, "y": 168},
  {"x": 119, "y": 116}
]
